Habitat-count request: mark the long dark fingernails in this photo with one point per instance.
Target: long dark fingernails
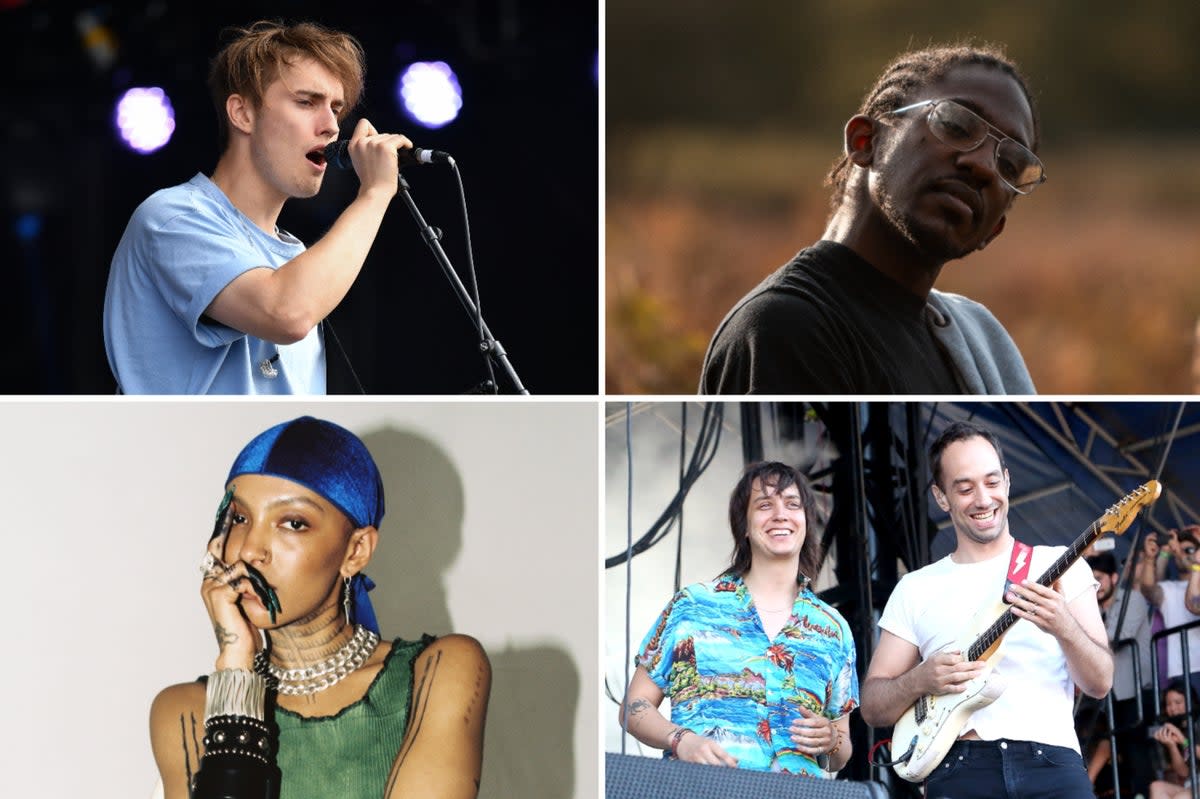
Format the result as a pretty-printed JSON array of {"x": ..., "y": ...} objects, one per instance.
[
  {"x": 224, "y": 514},
  {"x": 265, "y": 592}
]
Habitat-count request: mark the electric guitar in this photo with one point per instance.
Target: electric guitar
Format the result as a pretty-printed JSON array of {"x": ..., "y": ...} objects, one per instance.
[{"x": 927, "y": 730}]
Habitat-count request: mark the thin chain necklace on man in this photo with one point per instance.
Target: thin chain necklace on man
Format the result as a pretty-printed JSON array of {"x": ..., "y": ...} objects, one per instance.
[{"x": 308, "y": 680}]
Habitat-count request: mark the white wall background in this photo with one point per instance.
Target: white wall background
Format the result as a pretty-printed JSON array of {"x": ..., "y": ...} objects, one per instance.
[{"x": 491, "y": 530}]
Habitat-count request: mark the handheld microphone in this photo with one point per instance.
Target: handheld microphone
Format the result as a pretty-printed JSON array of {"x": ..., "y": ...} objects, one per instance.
[{"x": 337, "y": 154}]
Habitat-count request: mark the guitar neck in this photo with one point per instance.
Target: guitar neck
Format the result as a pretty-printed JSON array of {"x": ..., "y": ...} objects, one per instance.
[{"x": 1000, "y": 626}]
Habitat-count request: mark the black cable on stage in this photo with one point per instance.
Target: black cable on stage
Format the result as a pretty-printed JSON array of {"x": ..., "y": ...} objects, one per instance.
[
  {"x": 628, "y": 555},
  {"x": 702, "y": 455},
  {"x": 478, "y": 318},
  {"x": 329, "y": 326},
  {"x": 705, "y": 450},
  {"x": 908, "y": 504},
  {"x": 682, "y": 470}
]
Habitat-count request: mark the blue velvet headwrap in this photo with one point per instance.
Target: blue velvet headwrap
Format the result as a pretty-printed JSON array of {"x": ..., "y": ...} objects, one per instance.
[{"x": 328, "y": 460}]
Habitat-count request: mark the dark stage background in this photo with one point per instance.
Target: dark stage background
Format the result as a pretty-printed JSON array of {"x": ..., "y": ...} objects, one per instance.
[{"x": 526, "y": 141}]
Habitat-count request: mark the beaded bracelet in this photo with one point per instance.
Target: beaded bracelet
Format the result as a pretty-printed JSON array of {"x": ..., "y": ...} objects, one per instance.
[
  {"x": 836, "y": 744},
  {"x": 824, "y": 758}
]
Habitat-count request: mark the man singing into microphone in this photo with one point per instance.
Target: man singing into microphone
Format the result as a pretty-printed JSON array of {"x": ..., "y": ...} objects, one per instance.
[{"x": 206, "y": 295}]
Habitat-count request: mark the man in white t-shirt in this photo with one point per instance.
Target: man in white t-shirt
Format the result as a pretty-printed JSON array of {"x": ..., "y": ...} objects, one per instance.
[{"x": 1023, "y": 744}]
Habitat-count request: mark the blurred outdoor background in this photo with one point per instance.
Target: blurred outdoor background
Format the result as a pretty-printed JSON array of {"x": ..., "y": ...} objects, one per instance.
[
  {"x": 722, "y": 119},
  {"x": 525, "y": 134}
]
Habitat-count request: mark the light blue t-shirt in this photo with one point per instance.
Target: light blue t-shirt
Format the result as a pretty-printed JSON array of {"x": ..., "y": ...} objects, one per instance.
[{"x": 181, "y": 247}]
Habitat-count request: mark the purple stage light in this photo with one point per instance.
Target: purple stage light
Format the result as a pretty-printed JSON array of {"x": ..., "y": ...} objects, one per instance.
[
  {"x": 145, "y": 119},
  {"x": 429, "y": 92}
]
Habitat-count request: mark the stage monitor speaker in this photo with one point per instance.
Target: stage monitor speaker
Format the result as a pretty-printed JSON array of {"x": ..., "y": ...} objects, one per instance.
[{"x": 633, "y": 777}]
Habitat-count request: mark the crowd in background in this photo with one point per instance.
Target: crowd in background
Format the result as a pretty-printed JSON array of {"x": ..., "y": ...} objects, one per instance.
[{"x": 1156, "y": 589}]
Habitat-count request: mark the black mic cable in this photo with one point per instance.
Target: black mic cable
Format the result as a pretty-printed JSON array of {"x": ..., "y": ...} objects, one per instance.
[{"x": 337, "y": 155}]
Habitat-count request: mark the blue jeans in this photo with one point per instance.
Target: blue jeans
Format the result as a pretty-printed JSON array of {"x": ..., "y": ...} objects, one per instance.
[{"x": 1009, "y": 770}]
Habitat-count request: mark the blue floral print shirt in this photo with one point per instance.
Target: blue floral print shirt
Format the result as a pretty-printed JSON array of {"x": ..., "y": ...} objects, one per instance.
[{"x": 726, "y": 680}]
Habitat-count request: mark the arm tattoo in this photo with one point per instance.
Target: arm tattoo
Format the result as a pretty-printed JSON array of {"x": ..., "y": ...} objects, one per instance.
[
  {"x": 634, "y": 712},
  {"x": 638, "y": 706},
  {"x": 224, "y": 637},
  {"x": 475, "y": 697},
  {"x": 195, "y": 747}
]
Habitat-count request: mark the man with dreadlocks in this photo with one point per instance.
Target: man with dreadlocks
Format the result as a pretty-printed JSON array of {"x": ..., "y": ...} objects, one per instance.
[{"x": 939, "y": 150}]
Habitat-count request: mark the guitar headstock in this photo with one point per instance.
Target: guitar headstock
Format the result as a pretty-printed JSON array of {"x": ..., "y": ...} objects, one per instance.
[{"x": 1118, "y": 517}]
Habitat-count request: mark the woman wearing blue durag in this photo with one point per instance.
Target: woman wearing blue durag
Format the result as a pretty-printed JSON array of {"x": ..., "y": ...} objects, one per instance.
[{"x": 306, "y": 701}]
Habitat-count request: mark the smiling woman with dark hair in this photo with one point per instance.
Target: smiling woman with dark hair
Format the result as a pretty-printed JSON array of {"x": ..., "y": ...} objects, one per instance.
[{"x": 306, "y": 700}]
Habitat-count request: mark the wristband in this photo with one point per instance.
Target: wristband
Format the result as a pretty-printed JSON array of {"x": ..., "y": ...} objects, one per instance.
[
  {"x": 239, "y": 736},
  {"x": 239, "y": 746},
  {"x": 1194, "y": 567},
  {"x": 1162, "y": 555},
  {"x": 235, "y": 692},
  {"x": 674, "y": 740},
  {"x": 234, "y": 718}
]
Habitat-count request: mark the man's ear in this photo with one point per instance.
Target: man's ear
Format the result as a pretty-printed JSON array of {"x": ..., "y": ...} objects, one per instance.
[
  {"x": 859, "y": 142},
  {"x": 240, "y": 113},
  {"x": 940, "y": 498},
  {"x": 996, "y": 231},
  {"x": 359, "y": 550}
]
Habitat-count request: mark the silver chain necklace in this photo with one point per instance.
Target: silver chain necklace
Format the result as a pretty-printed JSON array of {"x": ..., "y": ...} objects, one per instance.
[{"x": 308, "y": 680}]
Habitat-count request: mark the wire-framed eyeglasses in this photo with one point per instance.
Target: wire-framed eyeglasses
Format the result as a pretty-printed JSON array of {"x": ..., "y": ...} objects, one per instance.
[{"x": 964, "y": 130}]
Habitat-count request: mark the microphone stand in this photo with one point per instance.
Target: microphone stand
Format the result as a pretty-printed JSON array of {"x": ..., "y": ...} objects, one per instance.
[{"x": 488, "y": 345}]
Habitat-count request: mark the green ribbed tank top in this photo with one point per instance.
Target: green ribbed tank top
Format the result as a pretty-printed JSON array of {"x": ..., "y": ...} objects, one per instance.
[{"x": 349, "y": 755}]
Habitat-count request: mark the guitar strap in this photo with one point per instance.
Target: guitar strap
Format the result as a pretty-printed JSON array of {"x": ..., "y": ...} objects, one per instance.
[{"x": 1018, "y": 566}]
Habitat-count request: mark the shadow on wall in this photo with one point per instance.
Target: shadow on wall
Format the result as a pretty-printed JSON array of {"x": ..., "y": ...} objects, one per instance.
[
  {"x": 529, "y": 740},
  {"x": 421, "y": 534},
  {"x": 530, "y": 747}
]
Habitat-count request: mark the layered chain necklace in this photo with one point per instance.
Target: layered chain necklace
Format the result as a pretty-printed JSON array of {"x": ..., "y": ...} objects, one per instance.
[{"x": 308, "y": 680}]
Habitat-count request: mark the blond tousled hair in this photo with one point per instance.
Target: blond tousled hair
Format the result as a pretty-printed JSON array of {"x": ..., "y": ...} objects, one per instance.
[{"x": 252, "y": 57}]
